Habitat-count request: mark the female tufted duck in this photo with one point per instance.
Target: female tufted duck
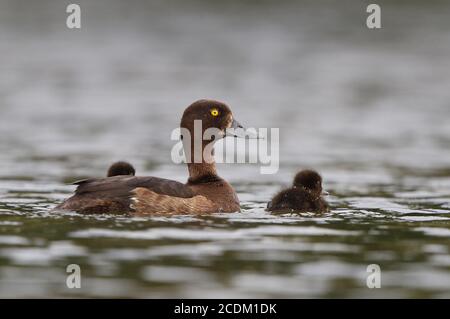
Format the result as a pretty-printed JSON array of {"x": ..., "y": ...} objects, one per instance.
[
  {"x": 121, "y": 168},
  {"x": 204, "y": 192},
  {"x": 304, "y": 195}
]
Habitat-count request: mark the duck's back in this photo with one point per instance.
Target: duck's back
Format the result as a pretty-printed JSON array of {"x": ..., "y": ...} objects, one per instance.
[{"x": 116, "y": 194}]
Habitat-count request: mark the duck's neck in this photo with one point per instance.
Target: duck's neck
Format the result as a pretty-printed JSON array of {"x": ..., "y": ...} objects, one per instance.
[{"x": 204, "y": 170}]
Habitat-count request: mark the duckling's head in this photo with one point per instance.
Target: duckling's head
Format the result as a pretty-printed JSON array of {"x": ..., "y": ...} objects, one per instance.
[
  {"x": 309, "y": 180},
  {"x": 121, "y": 168},
  {"x": 214, "y": 116}
]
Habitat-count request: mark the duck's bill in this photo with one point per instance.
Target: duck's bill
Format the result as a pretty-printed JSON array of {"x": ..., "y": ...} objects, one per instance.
[
  {"x": 237, "y": 130},
  {"x": 236, "y": 125}
]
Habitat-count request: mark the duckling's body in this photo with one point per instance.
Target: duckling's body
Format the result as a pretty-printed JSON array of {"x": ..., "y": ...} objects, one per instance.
[
  {"x": 303, "y": 196},
  {"x": 205, "y": 191},
  {"x": 294, "y": 199}
]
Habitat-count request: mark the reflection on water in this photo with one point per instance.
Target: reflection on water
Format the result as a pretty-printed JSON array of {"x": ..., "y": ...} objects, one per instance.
[{"x": 369, "y": 109}]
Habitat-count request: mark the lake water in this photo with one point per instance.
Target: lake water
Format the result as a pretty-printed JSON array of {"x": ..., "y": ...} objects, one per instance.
[{"x": 369, "y": 109}]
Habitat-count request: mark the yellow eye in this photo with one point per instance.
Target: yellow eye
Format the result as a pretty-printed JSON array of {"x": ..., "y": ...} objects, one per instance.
[{"x": 214, "y": 112}]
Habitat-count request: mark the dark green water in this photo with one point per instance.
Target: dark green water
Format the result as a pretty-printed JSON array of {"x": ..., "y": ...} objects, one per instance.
[{"x": 368, "y": 109}]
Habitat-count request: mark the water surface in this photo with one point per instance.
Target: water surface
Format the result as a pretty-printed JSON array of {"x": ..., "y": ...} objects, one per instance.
[{"x": 368, "y": 109}]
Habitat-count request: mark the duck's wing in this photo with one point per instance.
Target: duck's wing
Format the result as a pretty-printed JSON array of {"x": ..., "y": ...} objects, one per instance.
[
  {"x": 120, "y": 186},
  {"x": 115, "y": 194}
]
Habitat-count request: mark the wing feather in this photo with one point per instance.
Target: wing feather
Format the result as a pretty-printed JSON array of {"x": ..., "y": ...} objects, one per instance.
[{"x": 124, "y": 185}]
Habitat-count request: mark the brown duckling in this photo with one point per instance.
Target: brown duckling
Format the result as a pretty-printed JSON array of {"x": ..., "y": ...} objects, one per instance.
[
  {"x": 304, "y": 196},
  {"x": 204, "y": 192},
  {"x": 121, "y": 168}
]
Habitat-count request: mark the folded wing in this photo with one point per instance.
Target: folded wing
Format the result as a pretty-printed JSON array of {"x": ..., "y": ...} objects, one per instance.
[
  {"x": 113, "y": 194},
  {"x": 121, "y": 185}
]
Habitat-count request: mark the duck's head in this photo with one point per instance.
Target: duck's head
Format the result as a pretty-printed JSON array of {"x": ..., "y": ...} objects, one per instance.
[
  {"x": 311, "y": 181},
  {"x": 215, "y": 117},
  {"x": 121, "y": 168}
]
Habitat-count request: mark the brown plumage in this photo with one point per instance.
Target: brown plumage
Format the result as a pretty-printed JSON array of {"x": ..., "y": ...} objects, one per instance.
[
  {"x": 205, "y": 191},
  {"x": 304, "y": 196},
  {"x": 121, "y": 168}
]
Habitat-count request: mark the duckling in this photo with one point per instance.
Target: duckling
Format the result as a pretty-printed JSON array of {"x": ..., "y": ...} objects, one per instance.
[
  {"x": 204, "y": 192},
  {"x": 305, "y": 195},
  {"x": 121, "y": 168}
]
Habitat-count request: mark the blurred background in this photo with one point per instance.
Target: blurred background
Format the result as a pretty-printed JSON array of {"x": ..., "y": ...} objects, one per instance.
[{"x": 367, "y": 108}]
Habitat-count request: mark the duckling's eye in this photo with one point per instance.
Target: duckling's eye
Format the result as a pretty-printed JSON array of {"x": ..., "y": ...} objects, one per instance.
[{"x": 214, "y": 112}]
